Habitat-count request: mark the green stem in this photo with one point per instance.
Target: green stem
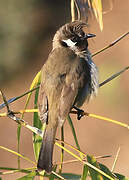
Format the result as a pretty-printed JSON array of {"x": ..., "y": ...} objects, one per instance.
[
  {"x": 73, "y": 131},
  {"x": 62, "y": 150}
]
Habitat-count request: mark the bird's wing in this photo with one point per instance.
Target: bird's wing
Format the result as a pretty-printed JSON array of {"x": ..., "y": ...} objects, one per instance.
[
  {"x": 76, "y": 81},
  {"x": 69, "y": 93},
  {"x": 67, "y": 99},
  {"x": 43, "y": 105}
]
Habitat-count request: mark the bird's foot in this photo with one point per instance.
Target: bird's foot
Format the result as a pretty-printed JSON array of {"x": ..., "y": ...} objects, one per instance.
[{"x": 80, "y": 112}]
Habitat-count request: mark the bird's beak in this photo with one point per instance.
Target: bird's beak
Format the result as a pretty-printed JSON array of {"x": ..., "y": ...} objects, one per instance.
[{"x": 89, "y": 36}]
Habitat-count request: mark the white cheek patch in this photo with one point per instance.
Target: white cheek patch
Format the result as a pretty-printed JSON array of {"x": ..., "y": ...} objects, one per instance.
[{"x": 70, "y": 43}]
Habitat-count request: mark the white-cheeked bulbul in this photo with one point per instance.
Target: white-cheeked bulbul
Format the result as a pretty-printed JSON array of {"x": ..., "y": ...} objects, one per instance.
[{"x": 69, "y": 77}]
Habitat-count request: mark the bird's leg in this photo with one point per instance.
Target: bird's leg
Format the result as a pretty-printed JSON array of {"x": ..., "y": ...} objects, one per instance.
[{"x": 80, "y": 112}]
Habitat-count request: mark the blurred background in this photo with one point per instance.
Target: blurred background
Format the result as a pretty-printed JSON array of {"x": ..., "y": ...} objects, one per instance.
[{"x": 26, "y": 32}]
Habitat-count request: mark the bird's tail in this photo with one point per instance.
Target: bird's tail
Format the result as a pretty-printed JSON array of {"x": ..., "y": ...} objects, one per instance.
[{"x": 46, "y": 151}]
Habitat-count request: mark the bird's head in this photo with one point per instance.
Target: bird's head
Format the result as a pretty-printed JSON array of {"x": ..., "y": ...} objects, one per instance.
[{"x": 73, "y": 36}]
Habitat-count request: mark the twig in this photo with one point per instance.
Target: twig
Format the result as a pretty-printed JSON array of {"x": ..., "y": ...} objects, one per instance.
[
  {"x": 22, "y": 156},
  {"x": 101, "y": 84},
  {"x": 18, "y": 97},
  {"x": 66, "y": 162},
  {"x": 14, "y": 170},
  {"x": 57, "y": 175},
  {"x": 113, "y": 76},
  {"x": 4, "y": 99},
  {"x": 110, "y": 45},
  {"x": 103, "y": 157},
  {"x": 18, "y": 120},
  {"x": 71, "y": 146},
  {"x": 116, "y": 158}
]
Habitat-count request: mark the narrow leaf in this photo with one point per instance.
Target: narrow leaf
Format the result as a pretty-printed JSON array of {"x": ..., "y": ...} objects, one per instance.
[
  {"x": 85, "y": 172},
  {"x": 114, "y": 76},
  {"x": 87, "y": 163},
  {"x": 37, "y": 140},
  {"x": 35, "y": 82},
  {"x": 115, "y": 160},
  {"x": 18, "y": 143},
  {"x": 62, "y": 150},
  {"x": 94, "y": 174},
  {"x": 71, "y": 176},
  {"x": 121, "y": 177},
  {"x": 73, "y": 131},
  {"x": 30, "y": 176},
  {"x": 107, "y": 171}
]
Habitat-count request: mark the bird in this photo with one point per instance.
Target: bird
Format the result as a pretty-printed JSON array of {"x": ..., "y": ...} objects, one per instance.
[{"x": 69, "y": 78}]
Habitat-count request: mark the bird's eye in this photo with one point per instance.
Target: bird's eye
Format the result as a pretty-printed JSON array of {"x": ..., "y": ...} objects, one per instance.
[
  {"x": 74, "y": 39},
  {"x": 81, "y": 34},
  {"x": 63, "y": 43}
]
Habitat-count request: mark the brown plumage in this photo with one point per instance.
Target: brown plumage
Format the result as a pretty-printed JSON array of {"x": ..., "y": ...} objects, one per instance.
[{"x": 69, "y": 77}]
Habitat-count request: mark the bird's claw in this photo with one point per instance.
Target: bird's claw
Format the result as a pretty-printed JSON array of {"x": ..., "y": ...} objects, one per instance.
[{"x": 80, "y": 114}]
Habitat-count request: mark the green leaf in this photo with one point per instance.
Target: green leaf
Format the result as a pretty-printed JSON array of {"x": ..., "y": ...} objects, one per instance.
[
  {"x": 94, "y": 174},
  {"x": 106, "y": 170},
  {"x": 85, "y": 172},
  {"x": 18, "y": 143},
  {"x": 29, "y": 176},
  {"x": 121, "y": 177},
  {"x": 73, "y": 131},
  {"x": 35, "y": 82},
  {"x": 71, "y": 176},
  {"x": 37, "y": 140},
  {"x": 62, "y": 150},
  {"x": 0, "y": 178}
]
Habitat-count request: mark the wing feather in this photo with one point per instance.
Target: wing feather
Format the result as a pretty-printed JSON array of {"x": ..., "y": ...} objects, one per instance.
[{"x": 43, "y": 105}]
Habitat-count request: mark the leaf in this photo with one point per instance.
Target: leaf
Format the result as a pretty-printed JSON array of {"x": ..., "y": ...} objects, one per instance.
[
  {"x": 71, "y": 176},
  {"x": 18, "y": 143},
  {"x": 106, "y": 170},
  {"x": 62, "y": 150},
  {"x": 30, "y": 176},
  {"x": 73, "y": 131},
  {"x": 87, "y": 6},
  {"x": 121, "y": 177},
  {"x": 35, "y": 82},
  {"x": 85, "y": 172},
  {"x": 94, "y": 174},
  {"x": 37, "y": 140},
  {"x": 114, "y": 76},
  {"x": 97, "y": 8}
]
